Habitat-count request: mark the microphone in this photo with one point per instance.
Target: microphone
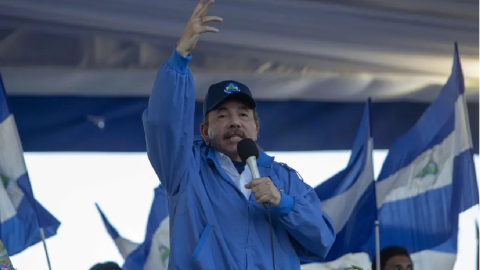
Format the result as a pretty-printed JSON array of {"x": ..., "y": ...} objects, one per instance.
[{"x": 248, "y": 152}]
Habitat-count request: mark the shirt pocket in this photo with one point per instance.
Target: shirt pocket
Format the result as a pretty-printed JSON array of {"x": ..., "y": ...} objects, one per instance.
[
  {"x": 202, "y": 241},
  {"x": 209, "y": 254}
]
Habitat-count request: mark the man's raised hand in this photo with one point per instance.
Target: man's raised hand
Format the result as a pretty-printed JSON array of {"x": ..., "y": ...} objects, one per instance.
[{"x": 196, "y": 25}]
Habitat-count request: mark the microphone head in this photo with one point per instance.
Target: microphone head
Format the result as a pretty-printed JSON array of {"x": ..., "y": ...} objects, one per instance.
[{"x": 247, "y": 148}]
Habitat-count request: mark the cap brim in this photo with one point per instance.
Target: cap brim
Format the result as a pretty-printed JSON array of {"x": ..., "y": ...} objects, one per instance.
[{"x": 242, "y": 97}]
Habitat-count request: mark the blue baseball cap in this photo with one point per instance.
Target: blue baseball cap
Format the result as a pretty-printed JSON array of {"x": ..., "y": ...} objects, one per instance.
[{"x": 226, "y": 90}]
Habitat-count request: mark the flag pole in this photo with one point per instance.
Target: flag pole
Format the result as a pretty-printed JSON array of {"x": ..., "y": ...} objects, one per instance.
[
  {"x": 478, "y": 245},
  {"x": 377, "y": 229},
  {"x": 40, "y": 226},
  {"x": 42, "y": 234},
  {"x": 377, "y": 245}
]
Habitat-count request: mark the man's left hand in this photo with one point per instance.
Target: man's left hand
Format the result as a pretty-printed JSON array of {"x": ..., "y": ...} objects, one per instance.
[{"x": 265, "y": 191}]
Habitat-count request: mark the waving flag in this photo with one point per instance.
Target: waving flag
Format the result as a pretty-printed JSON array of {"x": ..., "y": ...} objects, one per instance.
[
  {"x": 153, "y": 253},
  {"x": 21, "y": 216},
  {"x": 349, "y": 196},
  {"x": 125, "y": 246},
  {"x": 428, "y": 177}
]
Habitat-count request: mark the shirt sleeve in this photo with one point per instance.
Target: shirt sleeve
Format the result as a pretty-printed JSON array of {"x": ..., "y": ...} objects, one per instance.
[
  {"x": 168, "y": 123},
  {"x": 310, "y": 228}
]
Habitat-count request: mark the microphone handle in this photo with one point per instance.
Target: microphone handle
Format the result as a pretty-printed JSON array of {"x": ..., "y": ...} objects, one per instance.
[{"x": 252, "y": 164}]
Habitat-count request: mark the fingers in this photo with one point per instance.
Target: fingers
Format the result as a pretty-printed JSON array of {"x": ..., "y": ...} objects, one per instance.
[
  {"x": 206, "y": 29},
  {"x": 264, "y": 199},
  {"x": 260, "y": 192},
  {"x": 205, "y": 8},
  {"x": 208, "y": 19},
  {"x": 256, "y": 189},
  {"x": 198, "y": 7},
  {"x": 255, "y": 184},
  {"x": 258, "y": 181}
]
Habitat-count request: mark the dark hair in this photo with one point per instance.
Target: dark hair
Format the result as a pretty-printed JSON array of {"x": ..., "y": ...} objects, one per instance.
[
  {"x": 387, "y": 253},
  {"x": 106, "y": 266}
]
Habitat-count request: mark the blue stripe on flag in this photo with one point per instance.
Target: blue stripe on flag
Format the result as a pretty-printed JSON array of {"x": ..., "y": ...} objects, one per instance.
[
  {"x": 22, "y": 230},
  {"x": 464, "y": 183},
  {"x": 47, "y": 221},
  {"x": 344, "y": 179},
  {"x": 419, "y": 208},
  {"x": 110, "y": 229},
  {"x": 158, "y": 212},
  {"x": 357, "y": 231},
  {"x": 409, "y": 223},
  {"x": 451, "y": 246},
  {"x": 352, "y": 188},
  {"x": 431, "y": 129},
  {"x": 136, "y": 259},
  {"x": 4, "y": 113}
]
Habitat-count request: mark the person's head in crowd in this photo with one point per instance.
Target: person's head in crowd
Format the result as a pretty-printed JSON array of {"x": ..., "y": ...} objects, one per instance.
[
  {"x": 106, "y": 266},
  {"x": 394, "y": 258}
]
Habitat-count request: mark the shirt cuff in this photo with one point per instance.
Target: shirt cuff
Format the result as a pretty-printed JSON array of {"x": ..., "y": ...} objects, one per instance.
[
  {"x": 285, "y": 205},
  {"x": 179, "y": 62}
]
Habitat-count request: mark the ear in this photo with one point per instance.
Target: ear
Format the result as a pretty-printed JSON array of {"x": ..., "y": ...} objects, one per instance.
[{"x": 204, "y": 132}]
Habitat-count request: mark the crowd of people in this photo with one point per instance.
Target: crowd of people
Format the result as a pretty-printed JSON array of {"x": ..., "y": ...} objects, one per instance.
[{"x": 392, "y": 258}]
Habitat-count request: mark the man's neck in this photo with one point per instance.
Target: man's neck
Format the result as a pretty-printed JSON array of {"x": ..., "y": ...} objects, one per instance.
[{"x": 235, "y": 158}]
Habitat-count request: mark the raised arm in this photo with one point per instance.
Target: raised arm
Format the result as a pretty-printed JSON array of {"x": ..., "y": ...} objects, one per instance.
[{"x": 168, "y": 119}]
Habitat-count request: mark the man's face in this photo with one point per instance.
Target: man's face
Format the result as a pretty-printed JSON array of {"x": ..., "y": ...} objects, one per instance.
[
  {"x": 227, "y": 125},
  {"x": 400, "y": 262}
]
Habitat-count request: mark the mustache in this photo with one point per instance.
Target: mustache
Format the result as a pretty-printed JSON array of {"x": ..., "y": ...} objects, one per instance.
[{"x": 234, "y": 132}]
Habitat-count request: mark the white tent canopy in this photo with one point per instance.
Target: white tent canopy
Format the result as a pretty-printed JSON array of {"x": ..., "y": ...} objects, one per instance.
[
  {"x": 309, "y": 50},
  {"x": 78, "y": 73}
]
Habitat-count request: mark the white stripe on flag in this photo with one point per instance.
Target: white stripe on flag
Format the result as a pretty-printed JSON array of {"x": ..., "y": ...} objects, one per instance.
[
  {"x": 158, "y": 256},
  {"x": 7, "y": 209},
  {"x": 12, "y": 166},
  {"x": 125, "y": 246},
  {"x": 404, "y": 183},
  {"x": 348, "y": 200},
  {"x": 429, "y": 259}
]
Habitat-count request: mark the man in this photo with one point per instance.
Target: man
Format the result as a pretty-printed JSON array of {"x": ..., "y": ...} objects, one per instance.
[
  {"x": 217, "y": 220},
  {"x": 394, "y": 258}
]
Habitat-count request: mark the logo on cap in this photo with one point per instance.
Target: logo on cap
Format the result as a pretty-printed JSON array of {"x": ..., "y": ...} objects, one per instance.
[{"x": 231, "y": 88}]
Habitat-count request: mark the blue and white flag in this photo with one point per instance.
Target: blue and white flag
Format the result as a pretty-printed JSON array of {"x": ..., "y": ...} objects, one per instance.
[
  {"x": 153, "y": 253},
  {"x": 428, "y": 177},
  {"x": 125, "y": 246},
  {"x": 349, "y": 196},
  {"x": 21, "y": 216}
]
